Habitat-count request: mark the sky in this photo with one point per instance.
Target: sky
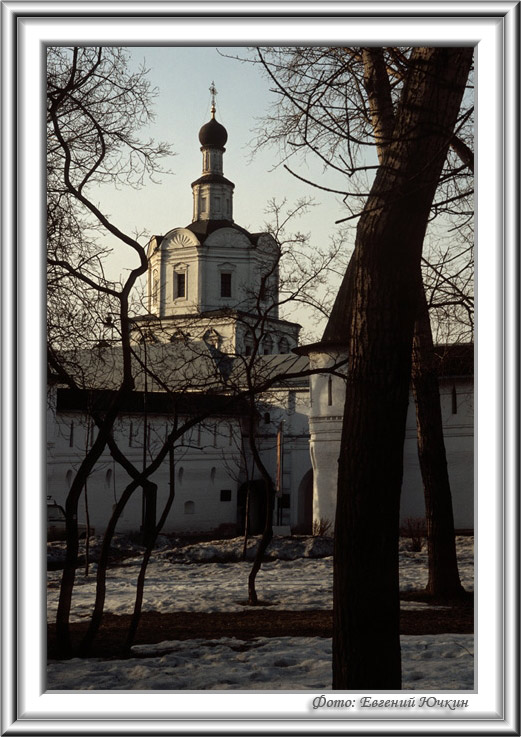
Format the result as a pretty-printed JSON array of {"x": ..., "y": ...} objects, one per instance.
[{"x": 183, "y": 76}]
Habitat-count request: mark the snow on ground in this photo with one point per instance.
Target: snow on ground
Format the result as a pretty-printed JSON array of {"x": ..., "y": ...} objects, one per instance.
[
  {"x": 302, "y": 583},
  {"x": 288, "y": 581},
  {"x": 442, "y": 662}
]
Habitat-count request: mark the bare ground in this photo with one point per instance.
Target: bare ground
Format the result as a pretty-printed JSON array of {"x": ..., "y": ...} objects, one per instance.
[{"x": 154, "y": 627}]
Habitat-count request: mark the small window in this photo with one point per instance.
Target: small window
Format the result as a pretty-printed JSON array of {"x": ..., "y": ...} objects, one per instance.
[
  {"x": 267, "y": 418},
  {"x": 189, "y": 508},
  {"x": 203, "y": 204},
  {"x": 226, "y": 495},
  {"x": 285, "y": 501},
  {"x": 226, "y": 284},
  {"x": 329, "y": 391},
  {"x": 454, "y": 400},
  {"x": 71, "y": 435},
  {"x": 283, "y": 345},
  {"x": 180, "y": 285}
]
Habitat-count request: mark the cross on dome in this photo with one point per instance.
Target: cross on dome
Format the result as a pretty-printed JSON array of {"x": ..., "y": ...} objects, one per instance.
[{"x": 213, "y": 92}]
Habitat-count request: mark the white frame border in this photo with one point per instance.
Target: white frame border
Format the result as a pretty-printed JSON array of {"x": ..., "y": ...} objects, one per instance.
[{"x": 26, "y": 28}]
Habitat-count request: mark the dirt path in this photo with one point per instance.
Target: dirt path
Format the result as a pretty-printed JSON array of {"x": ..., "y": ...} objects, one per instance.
[{"x": 155, "y": 627}]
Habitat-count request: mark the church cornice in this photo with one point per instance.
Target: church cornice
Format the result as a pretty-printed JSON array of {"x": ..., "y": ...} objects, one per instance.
[{"x": 213, "y": 179}]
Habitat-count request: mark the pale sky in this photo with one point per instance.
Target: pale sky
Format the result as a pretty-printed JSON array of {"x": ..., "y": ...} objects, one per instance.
[{"x": 183, "y": 76}]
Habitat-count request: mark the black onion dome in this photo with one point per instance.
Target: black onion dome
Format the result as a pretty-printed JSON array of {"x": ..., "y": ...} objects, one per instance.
[{"x": 213, "y": 134}]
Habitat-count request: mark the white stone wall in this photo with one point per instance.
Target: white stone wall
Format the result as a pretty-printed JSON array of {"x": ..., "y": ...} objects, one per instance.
[
  {"x": 327, "y": 407},
  {"x": 207, "y": 460}
]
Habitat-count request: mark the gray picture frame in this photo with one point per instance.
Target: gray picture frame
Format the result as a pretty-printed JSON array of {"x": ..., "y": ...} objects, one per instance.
[{"x": 27, "y": 27}]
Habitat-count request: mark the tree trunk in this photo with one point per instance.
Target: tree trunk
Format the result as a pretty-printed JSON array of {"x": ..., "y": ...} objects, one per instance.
[
  {"x": 246, "y": 522},
  {"x": 444, "y": 581},
  {"x": 136, "y": 615},
  {"x": 63, "y": 641},
  {"x": 387, "y": 278},
  {"x": 267, "y": 536},
  {"x": 267, "y": 533},
  {"x": 101, "y": 575}
]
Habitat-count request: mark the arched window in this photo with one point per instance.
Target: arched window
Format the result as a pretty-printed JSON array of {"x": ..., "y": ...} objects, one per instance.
[
  {"x": 329, "y": 390},
  {"x": 248, "y": 345},
  {"x": 212, "y": 337},
  {"x": 155, "y": 285},
  {"x": 267, "y": 345},
  {"x": 283, "y": 345},
  {"x": 189, "y": 508},
  {"x": 108, "y": 478},
  {"x": 180, "y": 475},
  {"x": 68, "y": 478},
  {"x": 212, "y": 475}
]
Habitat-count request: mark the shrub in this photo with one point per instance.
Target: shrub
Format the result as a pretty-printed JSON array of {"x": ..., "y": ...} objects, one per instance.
[
  {"x": 415, "y": 529},
  {"x": 322, "y": 527}
]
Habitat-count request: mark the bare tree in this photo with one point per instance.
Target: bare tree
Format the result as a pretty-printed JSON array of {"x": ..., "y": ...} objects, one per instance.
[
  {"x": 95, "y": 105},
  {"x": 334, "y": 103},
  {"x": 382, "y": 307}
]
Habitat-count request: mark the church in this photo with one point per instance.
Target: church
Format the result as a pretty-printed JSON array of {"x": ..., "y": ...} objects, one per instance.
[{"x": 211, "y": 331}]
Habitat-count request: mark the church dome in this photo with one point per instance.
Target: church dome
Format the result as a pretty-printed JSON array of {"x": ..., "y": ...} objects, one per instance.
[{"x": 213, "y": 134}]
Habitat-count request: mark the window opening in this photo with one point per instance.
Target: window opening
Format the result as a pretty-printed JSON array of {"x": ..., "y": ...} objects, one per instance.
[
  {"x": 226, "y": 284},
  {"x": 330, "y": 391},
  {"x": 226, "y": 495},
  {"x": 180, "y": 285}
]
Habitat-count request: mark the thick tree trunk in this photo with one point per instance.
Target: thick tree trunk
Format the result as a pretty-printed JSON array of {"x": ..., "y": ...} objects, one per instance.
[
  {"x": 444, "y": 578},
  {"x": 387, "y": 278}
]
